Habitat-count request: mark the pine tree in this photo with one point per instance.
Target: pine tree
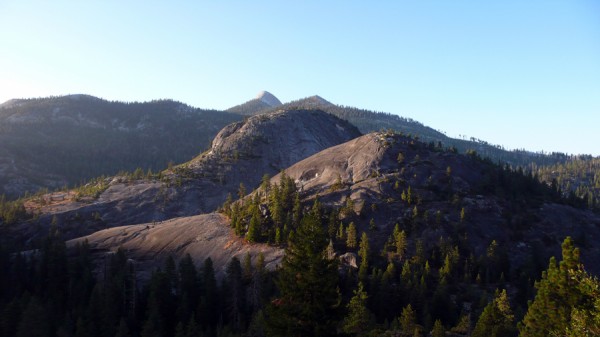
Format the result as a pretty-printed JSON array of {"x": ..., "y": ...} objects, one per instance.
[
  {"x": 438, "y": 329},
  {"x": 359, "y": 319},
  {"x": 363, "y": 252},
  {"x": 408, "y": 320},
  {"x": 208, "y": 305},
  {"x": 400, "y": 241},
  {"x": 235, "y": 294},
  {"x": 241, "y": 191},
  {"x": 340, "y": 232},
  {"x": 254, "y": 228},
  {"x": 497, "y": 319},
  {"x": 351, "y": 236},
  {"x": 193, "y": 330},
  {"x": 265, "y": 184},
  {"x": 188, "y": 288},
  {"x": 308, "y": 285},
  {"x": 585, "y": 320},
  {"x": 34, "y": 322},
  {"x": 557, "y": 295}
]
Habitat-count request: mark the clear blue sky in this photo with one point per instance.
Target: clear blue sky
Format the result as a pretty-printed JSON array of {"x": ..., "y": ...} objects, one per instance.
[{"x": 524, "y": 74}]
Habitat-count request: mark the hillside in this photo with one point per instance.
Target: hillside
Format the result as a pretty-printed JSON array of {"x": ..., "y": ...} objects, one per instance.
[
  {"x": 241, "y": 153},
  {"x": 578, "y": 178},
  {"x": 413, "y": 223},
  {"x": 200, "y": 236},
  {"x": 424, "y": 233},
  {"x": 381, "y": 180},
  {"x": 63, "y": 141},
  {"x": 371, "y": 121}
]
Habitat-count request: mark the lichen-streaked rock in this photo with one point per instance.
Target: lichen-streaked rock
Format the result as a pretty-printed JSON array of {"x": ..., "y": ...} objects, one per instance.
[{"x": 201, "y": 236}]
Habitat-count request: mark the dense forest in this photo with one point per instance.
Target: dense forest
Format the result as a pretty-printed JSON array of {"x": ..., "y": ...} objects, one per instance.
[
  {"x": 578, "y": 177},
  {"x": 407, "y": 287},
  {"x": 341, "y": 275},
  {"x": 403, "y": 292},
  {"x": 58, "y": 141}
]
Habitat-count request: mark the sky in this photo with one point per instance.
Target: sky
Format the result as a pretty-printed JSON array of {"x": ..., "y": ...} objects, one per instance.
[{"x": 522, "y": 74}]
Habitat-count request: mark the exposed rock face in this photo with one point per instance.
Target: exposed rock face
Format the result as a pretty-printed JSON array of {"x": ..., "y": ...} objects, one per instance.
[
  {"x": 278, "y": 139},
  {"x": 241, "y": 153},
  {"x": 268, "y": 98},
  {"x": 263, "y": 101},
  {"x": 369, "y": 172},
  {"x": 201, "y": 236}
]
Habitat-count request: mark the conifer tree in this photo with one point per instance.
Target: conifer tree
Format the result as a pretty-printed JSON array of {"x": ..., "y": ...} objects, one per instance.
[
  {"x": 438, "y": 329},
  {"x": 34, "y": 322},
  {"x": 188, "y": 288},
  {"x": 253, "y": 234},
  {"x": 408, "y": 320},
  {"x": 400, "y": 241},
  {"x": 208, "y": 304},
  {"x": 557, "y": 295},
  {"x": 235, "y": 294},
  {"x": 364, "y": 257},
  {"x": 340, "y": 231},
  {"x": 497, "y": 319},
  {"x": 351, "y": 236},
  {"x": 241, "y": 191},
  {"x": 359, "y": 319},
  {"x": 308, "y": 285}
]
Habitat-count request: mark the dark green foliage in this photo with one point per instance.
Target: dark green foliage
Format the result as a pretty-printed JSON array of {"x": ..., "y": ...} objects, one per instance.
[
  {"x": 438, "y": 329},
  {"x": 559, "y": 292},
  {"x": 363, "y": 253},
  {"x": 35, "y": 321},
  {"x": 358, "y": 321},
  {"x": 91, "y": 137},
  {"x": 10, "y": 211},
  {"x": 497, "y": 319},
  {"x": 577, "y": 178},
  {"x": 235, "y": 296},
  {"x": 263, "y": 216},
  {"x": 209, "y": 300},
  {"x": 308, "y": 284}
]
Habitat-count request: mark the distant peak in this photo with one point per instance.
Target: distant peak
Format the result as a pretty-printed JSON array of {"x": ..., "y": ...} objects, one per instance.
[
  {"x": 268, "y": 98},
  {"x": 319, "y": 99},
  {"x": 77, "y": 97},
  {"x": 315, "y": 101}
]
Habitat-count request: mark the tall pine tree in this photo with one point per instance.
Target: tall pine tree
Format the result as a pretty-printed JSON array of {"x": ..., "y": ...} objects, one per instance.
[
  {"x": 308, "y": 284},
  {"x": 557, "y": 295}
]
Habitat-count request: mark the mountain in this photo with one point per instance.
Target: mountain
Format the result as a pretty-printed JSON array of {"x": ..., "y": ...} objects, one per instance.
[
  {"x": 64, "y": 141},
  {"x": 264, "y": 100},
  {"x": 381, "y": 180},
  {"x": 420, "y": 231},
  {"x": 241, "y": 153},
  {"x": 381, "y": 183},
  {"x": 371, "y": 121},
  {"x": 59, "y": 141}
]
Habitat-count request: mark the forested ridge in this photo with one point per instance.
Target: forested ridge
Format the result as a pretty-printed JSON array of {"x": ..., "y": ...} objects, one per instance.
[
  {"x": 54, "y": 292},
  {"x": 419, "y": 240},
  {"x": 577, "y": 178},
  {"x": 64, "y": 141},
  {"x": 370, "y": 121}
]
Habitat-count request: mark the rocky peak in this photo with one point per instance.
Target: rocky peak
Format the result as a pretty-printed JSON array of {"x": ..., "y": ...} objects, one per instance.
[{"x": 268, "y": 98}]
